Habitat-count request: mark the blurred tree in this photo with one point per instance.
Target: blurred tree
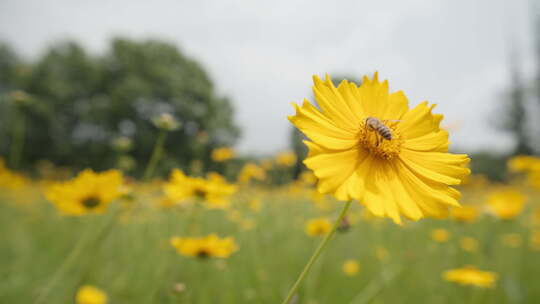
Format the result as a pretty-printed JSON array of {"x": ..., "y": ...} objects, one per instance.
[
  {"x": 515, "y": 118},
  {"x": 489, "y": 164},
  {"x": 81, "y": 103}
]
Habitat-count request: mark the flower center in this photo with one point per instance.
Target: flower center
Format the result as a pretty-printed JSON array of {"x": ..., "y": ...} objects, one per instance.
[
  {"x": 91, "y": 202},
  {"x": 203, "y": 253},
  {"x": 374, "y": 138},
  {"x": 199, "y": 193}
]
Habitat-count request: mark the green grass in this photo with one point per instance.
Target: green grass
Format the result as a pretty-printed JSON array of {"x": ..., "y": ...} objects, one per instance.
[{"x": 134, "y": 263}]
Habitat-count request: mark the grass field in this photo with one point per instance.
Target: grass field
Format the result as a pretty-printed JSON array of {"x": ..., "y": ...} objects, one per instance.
[{"x": 46, "y": 257}]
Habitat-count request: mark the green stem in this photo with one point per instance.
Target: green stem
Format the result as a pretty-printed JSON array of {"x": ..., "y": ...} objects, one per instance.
[
  {"x": 156, "y": 155},
  {"x": 17, "y": 140},
  {"x": 82, "y": 246},
  {"x": 316, "y": 254}
]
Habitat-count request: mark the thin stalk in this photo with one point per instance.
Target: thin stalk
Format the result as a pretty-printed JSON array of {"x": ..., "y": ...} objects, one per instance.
[
  {"x": 156, "y": 155},
  {"x": 82, "y": 246},
  {"x": 17, "y": 140},
  {"x": 316, "y": 254}
]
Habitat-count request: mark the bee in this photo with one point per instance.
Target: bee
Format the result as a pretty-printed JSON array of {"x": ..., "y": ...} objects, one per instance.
[{"x": 379, "y": 127}]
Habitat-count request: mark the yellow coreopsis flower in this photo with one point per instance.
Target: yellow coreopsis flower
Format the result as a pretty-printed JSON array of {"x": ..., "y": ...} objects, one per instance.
[
  {"x": 523, "y": 163},
  {"x": 366, "y": 144},
  {"x": 318, "y": 227},
  {"x": 470, "y": 275},
  {"x": 286, "y": 159},
  {"x": 251, "y": 171},
  {"x": 308, "y": 178},
  {"x": 205, "y": 247},
  {"x": 468, "y": 244},
  {"x": 465, "y": 214},
  {"x": 222, "y": 154},
  {"x": 214, "y": 190},
  {"x": 440, "y": 235},
  {"x": 534, "y": 240},
  {"x": 506, "y": 203},
  {"x": 512, "y": 240},
  {"x": 11, "y": 180},
  {"x": 381, "y": 253},
  {"x": 89, "y": 192},
  {"x": 351, "y": 267},
  {"x": 90, "y": 295}
]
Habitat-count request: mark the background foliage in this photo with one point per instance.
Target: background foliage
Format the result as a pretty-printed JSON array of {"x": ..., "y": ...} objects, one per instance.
[{"x": 78, "y": 103}]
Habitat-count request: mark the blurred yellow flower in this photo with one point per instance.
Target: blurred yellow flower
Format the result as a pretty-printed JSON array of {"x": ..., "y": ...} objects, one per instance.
[
  {"x": 247, "y": 224},
  {"x": 286, "y": 159},
  {"x": 512, "y": 240},
  {"x": 205, "y": 247},
  {"x": 440, "y": 235},
  {"x": 523, "y": 163},
  {"x": 381, "y": 253},
  {"x": 267, "y": 164},
  {"x": 506, "y": 203},
  {"x": 366, "y": 144},
  {"x": 465, "y": 214},
  {"x": 11, "y": 180},
  {"x": 222, "y": 154},
  {"x": 351, "y": 267},
  {"x": 308, "y": 178},
  {"x": 251, "y": 171},
  {"x": 254, "y": 204},
  {"x": 90, "y": 295},
  {"x": 214, "y": 191},
  {"x": 318, "y": 227},
  {"x": 470, "y": 275},
  {"x": 534, "y": 240},
  {"x": 468, "y": 244},
  {"x": 89, "y": 192}
]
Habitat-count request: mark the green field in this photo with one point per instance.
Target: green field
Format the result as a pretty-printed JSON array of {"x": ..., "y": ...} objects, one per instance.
[{"x": 126, "y": 253}]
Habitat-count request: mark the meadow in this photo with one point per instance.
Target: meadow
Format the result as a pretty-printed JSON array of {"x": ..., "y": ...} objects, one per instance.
[{"x": 126, "y": 252}]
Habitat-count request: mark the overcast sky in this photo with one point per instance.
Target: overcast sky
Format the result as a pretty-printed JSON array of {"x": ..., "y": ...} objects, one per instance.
[{"x": 262, "y": 54}]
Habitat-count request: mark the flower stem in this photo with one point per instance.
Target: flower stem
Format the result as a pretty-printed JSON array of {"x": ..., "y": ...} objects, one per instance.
[
  {"x": 156, "y": 155},
  {"x": 89, "y": 242},
  {"x": 316, "y": 254}
]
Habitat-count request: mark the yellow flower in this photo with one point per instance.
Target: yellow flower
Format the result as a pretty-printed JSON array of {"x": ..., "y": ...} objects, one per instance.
[
  {"x": 90, "y": 295},
  {"x": 468, "y": 244},
  {"x": 89, "y": 192},
  {"x": 318, "y": 227},
  {"x": 251, "y": 171},
  {"x": 440, "y": 235},
  {"x": 512, "y": 240},
  {"x": 534, "y": 240},
  {"x": 366, "y": 144},
  {"x": 506, "y": 203},
  {"x": 308, "y": 178},
  {"x": 523, "y": 163},
  {"x": 351, "y": 267},
  {"x": 267, "y": 164},
  {"x": 205, "y": 247},
  {"x": 465, "y": 214},
  {"x": 286, "y": 159},
  {"x": 222, "y": 154},
  {"x": 254, "y": 204},
  {"x": 214, "y": 190},
  {"x": 11, "y": 180},
  {"x": 470, "y": 275},
  {"x": 381, "y": 253}
]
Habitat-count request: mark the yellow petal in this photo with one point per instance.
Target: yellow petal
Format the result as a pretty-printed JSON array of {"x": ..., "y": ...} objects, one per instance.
[{"x": 320, "y": 129}]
